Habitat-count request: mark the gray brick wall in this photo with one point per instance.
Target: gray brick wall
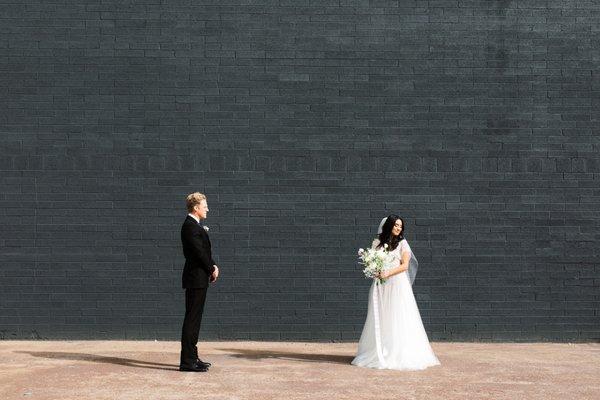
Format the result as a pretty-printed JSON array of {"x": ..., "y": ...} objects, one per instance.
[{"x": 304, "y": 122}]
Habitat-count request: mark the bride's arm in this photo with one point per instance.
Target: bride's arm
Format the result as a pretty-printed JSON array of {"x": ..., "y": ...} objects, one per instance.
[{"x": 403, "y": 266}]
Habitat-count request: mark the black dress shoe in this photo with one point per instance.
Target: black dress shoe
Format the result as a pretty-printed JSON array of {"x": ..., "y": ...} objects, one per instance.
[
  {"x": 200, "y": 362},
  {"x": 193, "y": 368}
]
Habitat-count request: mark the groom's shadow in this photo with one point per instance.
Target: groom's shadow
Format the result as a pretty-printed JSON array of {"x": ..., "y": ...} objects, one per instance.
[
  {"x": 127, "y": 362},
  {"x": 258, "y": 354}
]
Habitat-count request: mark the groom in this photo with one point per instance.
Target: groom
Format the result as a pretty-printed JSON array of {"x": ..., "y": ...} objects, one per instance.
[{"x": 199, "y": 270}]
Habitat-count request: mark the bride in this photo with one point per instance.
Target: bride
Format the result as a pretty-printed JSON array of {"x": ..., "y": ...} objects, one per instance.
[{"x": 393, "y": 336}]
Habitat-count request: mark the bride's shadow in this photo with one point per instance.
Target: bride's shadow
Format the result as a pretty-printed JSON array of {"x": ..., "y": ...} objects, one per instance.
[
  {"x": 127, "y": 362},
  {"x": 251, "y": 354}
]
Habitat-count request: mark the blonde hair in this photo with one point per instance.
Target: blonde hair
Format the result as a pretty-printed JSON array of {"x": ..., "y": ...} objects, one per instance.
[{"x": 194, "y": 199}]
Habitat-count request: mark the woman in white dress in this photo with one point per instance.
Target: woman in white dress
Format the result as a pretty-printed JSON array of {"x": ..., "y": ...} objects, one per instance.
[{"x": 393, "y": 336}]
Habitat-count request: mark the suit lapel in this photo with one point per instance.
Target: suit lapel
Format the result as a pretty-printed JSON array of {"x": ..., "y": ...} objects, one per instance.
[
  {"x": 198, "y": 226},
  {"x": 205, "y": 233}
]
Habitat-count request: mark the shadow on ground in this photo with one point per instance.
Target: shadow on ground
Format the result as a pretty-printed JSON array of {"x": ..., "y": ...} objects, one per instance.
[
  {"x": 258, "y": 354},
  {"x": 127, "y": 362}
]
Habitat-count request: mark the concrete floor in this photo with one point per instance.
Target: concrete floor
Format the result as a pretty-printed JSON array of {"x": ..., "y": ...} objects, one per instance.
[{"x": 96, "y": 370}]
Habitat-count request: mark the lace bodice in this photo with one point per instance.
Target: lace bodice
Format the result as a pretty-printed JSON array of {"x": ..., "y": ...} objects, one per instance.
[{"x": 395, "y": 254}]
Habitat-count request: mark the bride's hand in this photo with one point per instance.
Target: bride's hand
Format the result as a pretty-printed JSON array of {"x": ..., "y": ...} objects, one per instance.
[{"x": 384, "y": 275}]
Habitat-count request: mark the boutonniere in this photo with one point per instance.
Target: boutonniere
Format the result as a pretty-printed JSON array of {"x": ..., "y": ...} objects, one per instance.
[{"x": 205, "y": 228}]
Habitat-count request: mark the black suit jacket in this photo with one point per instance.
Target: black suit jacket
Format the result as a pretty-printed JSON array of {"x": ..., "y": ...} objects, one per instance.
[{"x": 199, "y": 264}]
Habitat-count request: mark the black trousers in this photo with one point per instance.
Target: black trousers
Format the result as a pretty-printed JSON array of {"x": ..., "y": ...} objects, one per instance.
[{"x": 194, "y": 306}]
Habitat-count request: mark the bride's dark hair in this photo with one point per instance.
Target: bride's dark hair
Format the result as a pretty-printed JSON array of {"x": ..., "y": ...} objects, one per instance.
[{"x": 386, "y": 233}]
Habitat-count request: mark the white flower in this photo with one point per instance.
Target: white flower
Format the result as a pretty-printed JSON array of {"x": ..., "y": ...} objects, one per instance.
[
  {"x": 385, "y": 245},
  {"x": 373, "y": 261},
  {"x": 205, "y": 228}
]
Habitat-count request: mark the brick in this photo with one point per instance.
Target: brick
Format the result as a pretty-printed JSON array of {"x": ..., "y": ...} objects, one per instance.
[{"x": 304, "y": 125}]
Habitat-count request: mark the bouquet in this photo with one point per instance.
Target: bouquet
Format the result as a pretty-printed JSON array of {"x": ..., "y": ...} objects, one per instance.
[{"x": 374, "y": 262}]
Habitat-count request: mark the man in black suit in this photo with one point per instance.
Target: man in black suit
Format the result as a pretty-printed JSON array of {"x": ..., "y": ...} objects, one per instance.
[{"x": 199, "y": 270}]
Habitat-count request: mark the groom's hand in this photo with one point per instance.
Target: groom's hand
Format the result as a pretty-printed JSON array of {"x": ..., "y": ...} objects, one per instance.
[{"x": 215, "y": 274}]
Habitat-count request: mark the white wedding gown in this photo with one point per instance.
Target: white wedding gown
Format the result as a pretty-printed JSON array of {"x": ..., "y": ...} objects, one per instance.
[{"x": 393, "y": 336}]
